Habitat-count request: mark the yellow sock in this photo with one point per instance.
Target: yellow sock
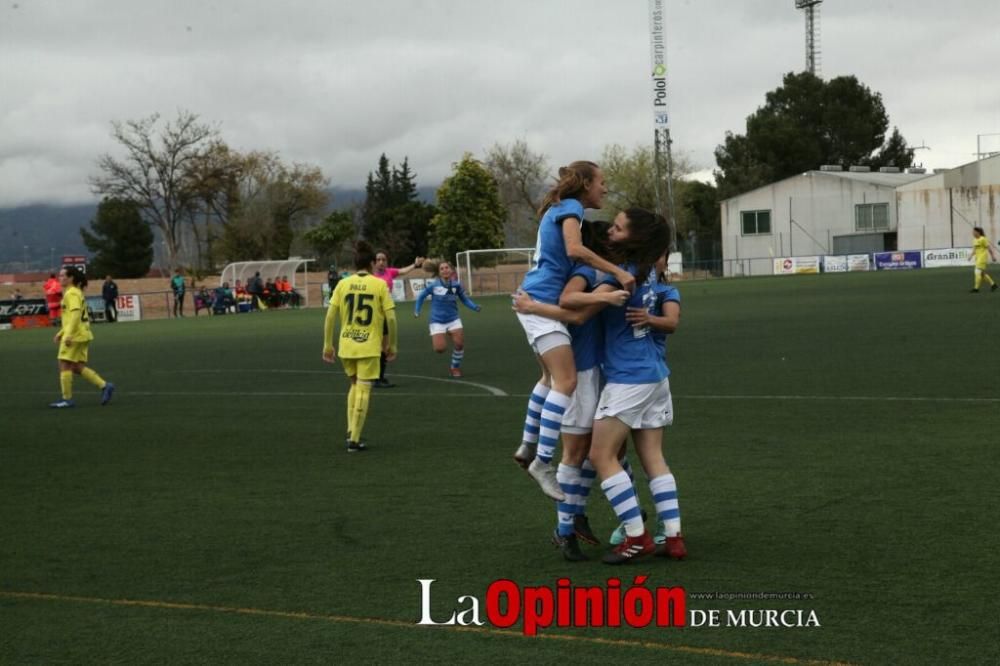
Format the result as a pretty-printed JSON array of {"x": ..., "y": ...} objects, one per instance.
[
  {"x": 979, "y": 279},
  {"x": 66, "y": 383},
  {"x": 988, "y": 278},
  {"x": 363, "y": 392},
  {"x": 351, "y": 395},
  {"x": 93, "y": 377}
]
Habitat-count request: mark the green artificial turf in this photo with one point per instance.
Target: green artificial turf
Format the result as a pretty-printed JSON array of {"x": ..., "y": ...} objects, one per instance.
[{"x": 835, "y": 435}]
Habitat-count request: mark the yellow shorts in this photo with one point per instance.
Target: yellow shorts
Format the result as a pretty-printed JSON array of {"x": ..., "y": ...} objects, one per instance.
[
  {"x": 366, "y": 369},
  {"x": 75, "y": 353}
]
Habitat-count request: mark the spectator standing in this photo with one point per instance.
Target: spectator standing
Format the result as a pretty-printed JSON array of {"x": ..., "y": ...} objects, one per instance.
[
  {"x": 109, "y": 291},
  {"x": 53, "y": 297},
  {"x": 177, "y": 286}
]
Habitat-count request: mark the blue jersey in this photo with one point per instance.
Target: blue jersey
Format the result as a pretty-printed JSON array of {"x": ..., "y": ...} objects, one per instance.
[
  {"x": 664, "y": 293},
  {"x": 444, "y": 300},
  {"x": 587, "y": 338},
  {"x": 631, "y": 355},
  {"x": 551, "y": 267}
]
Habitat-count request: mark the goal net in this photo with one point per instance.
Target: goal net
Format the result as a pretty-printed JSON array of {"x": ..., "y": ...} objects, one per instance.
[{"x": 485, "y": 272}]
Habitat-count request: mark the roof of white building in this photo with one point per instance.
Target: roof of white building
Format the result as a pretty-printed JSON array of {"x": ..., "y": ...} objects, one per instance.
[{"x": 870, "y": 177}]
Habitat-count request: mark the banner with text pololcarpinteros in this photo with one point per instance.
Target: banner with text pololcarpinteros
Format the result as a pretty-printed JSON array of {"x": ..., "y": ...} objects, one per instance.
[{"x": 658, "y": 57}]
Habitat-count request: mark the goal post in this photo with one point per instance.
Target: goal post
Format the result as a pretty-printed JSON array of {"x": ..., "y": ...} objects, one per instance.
[{"x": 498, "y": 271}]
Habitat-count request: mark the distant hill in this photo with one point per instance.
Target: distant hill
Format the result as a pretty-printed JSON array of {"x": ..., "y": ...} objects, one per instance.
[{"x": 52, "y": 231}]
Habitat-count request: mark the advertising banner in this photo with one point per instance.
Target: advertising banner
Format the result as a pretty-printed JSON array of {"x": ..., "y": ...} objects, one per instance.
[
  {"x": 417, "y": 285},
  {"x": 836, "y": 264},
  {"x": 658, "y": 56},
  {"x": 952, "y": 256},
  {"x": 897, "y": 261},
  {"x": 796, "y": 265},
  {"x": 859, "y": 262},
  {"x": 129, "y": 307},
  {"x": 24, "y": 313}
]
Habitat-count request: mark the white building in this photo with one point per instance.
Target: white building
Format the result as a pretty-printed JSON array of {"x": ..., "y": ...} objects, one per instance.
[
  {"x": 940, "y": 211},
  {"x": 814, "y": 213}
]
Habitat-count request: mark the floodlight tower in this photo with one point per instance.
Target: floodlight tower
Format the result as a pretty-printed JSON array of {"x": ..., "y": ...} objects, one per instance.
[{"x": 811, "y": 8}]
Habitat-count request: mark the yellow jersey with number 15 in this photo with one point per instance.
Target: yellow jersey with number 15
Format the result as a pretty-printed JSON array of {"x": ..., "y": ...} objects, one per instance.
[{"x": 360, "y": 302}]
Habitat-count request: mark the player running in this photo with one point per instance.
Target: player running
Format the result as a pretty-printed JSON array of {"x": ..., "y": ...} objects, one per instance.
[
  {"x": 445, "y": 291},
  {"x": 364, "y": 306},
  {"x": 74, "y": 339}
]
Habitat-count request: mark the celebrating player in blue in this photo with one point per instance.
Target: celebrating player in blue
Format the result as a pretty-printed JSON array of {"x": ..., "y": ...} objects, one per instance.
[
  {"x": 559, "y": 245},
  {"x": 637, "y": 398},
  {"x": 445, "y": 292}
]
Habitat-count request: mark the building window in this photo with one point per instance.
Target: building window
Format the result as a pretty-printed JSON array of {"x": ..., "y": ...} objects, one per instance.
[
  {"x": 756, "y": 222},
  {"x": 871, "y": 217}
]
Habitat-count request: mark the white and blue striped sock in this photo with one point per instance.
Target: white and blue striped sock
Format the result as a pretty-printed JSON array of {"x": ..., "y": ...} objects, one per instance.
[
  {"x": 621, "y": 494},
  {"x": 587, "y": 476},
  {"x": 550, "y": 424},
  {"x": 664, "y": 490},
  {"x": 534, "y": 416},
  {"x": 569, "y": 481},
  {"x": 456, "y": 357}
]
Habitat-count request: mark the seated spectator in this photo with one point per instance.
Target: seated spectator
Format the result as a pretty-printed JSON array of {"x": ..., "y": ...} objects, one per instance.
[
  {"x": 203, "y": 300},
  {"x": 223, "y": 300}
]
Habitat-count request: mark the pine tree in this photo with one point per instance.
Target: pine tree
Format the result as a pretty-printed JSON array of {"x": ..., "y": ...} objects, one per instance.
[{"x": 121, "y": 240}]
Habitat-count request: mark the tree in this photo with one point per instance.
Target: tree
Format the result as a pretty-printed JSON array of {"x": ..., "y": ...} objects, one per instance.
[
  {"x": 328, "y": 237},
  {"x": 392, "y": 218},
  {"x": 120, "y": 239},
  {"x": 520, "y": 174},
  {"x": 155, "y": 170},
  {"x": 699, "y": 224},
  {"x": 804, "y": 123},
  {"x": 470, "y": 214},
  {"x": 631, "y": 177},
  {"x": 267, "y": 203}
]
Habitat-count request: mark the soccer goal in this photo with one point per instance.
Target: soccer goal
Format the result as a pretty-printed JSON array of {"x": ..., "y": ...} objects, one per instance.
[{"x": 485, "y": 272}]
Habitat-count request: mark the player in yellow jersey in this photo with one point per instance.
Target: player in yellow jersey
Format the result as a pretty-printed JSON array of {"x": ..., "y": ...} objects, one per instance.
[
  {"x": 981, "y": 252},
  {"x": 74, "y": 339},
  {"x": 363, "y": 304}
]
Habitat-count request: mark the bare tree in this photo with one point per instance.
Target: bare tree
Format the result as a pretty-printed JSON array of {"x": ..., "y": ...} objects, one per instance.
[
  {"x": 520, "y": 174},
  {"x": 154, "y": 173}
]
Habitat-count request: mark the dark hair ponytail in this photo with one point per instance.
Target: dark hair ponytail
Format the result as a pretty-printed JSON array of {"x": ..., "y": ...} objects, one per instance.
[
  {"x": 76, "y": 276},
  {"x": 364, "y": 256},
  {"x": 648, "y": 238}
]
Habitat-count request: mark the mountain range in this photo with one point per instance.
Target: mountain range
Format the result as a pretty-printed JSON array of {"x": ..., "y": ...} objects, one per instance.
[{"x": 36, "y": 237}]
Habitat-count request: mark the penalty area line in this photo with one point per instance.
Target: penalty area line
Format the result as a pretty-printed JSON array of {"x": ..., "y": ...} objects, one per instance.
[{"x": 372, "y": 621}]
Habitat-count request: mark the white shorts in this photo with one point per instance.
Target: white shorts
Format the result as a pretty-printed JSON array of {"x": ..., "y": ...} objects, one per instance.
[
  {"x": 543, "y": 333},
  {"x": 453, "y": 325},
  {"x": 579, "y": 416},
  {"x": 639, "y": 406}
]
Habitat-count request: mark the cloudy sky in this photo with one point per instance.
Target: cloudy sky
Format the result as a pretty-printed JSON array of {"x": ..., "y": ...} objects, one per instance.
[{"x": 337, "y": 82}]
